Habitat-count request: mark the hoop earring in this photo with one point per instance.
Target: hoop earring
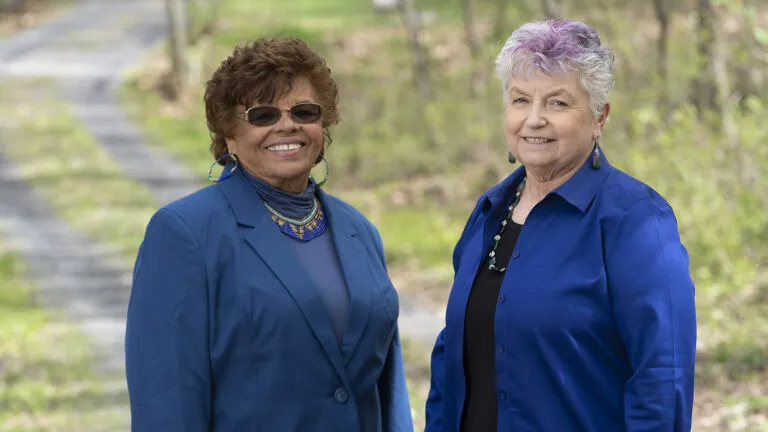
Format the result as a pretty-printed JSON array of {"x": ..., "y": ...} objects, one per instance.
[
  {"x": 224, "y": 175},
  {"x": 511, "y": 158},
  {"x": 597, "y": 160},
  {"x": 327, "y": 171}
]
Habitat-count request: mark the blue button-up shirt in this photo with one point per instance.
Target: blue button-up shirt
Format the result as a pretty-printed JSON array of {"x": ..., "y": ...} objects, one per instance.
[{"x": 597, "y": 330}]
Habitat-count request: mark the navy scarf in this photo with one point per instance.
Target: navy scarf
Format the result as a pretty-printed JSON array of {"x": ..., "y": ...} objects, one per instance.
[{"x": 294, "y": 206}]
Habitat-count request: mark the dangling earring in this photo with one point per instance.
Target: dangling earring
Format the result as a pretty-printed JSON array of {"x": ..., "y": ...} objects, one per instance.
[
  {"x": 224, "y": 175},
  {"x": 327, "y": 170},
  {"x": 511, "y": 158},
  {"x": 597, "y": 160}
]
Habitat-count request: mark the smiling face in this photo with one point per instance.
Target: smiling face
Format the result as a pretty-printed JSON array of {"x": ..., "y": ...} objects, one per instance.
[
  {"x": 549, "y": 125},
  {"x": 281, "y": 154}
]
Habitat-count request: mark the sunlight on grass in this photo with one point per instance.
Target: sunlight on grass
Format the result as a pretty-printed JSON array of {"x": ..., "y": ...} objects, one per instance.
[{"x": 424, "y": 236}]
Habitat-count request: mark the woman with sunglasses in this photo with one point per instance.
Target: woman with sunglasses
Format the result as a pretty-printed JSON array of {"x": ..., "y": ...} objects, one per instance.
[{"x": 261, "y": 303}]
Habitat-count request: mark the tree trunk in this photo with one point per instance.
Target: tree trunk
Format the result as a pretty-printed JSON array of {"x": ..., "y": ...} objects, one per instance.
[
  {"x": 17, "y": 9},
  {"x": 500, "y": 23},
  {"x": 473, "y": 43},
  {"x": 551, "y": 9},
  {"x": 662, "y": 16},
  {"x": 726, "y": 101},
  {"x": 704, "y": 87},
  {"x": 384, "y": 5},
  {"x": 209, "y": 25},
  {"x": 757, "y": 66},
  {"x": 420, "y": 64},
  {"x": 177, "y": 35},
  {"x": 208, "y": 11}
]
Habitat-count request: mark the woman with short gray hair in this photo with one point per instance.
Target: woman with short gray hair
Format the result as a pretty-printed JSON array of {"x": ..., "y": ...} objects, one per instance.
[{"x": 572, "y": 307}]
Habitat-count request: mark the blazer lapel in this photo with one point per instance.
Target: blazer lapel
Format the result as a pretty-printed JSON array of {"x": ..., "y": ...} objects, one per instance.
[
  {"x": 269, "y": 243},
  {"x": 355, "y": 264}
]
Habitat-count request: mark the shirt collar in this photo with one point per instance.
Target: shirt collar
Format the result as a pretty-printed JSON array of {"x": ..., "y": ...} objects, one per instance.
[
  {"x": 579, "y": 190},
  {"x": 582, "y": 188},
  {"x": 498, "y": 193}
]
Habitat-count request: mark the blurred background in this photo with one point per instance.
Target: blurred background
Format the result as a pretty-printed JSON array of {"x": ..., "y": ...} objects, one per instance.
[{"x": 101, "y": 123}]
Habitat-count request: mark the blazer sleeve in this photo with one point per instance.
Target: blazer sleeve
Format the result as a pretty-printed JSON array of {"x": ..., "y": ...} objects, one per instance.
[
  {"x": 166, "y": 340},
  {"x": 434, "y": 407},
  {"x": 393, "y": 389},
  {"x": 653, "y": 300}
]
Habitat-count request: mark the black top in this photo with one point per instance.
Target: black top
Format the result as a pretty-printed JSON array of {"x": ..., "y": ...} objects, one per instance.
[{"x": 480, "y": 405}]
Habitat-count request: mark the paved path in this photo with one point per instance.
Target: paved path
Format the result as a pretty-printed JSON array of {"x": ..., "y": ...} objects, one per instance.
[
  {"x": 70, "y": 270},
  {"x": 87, "y": 53}
]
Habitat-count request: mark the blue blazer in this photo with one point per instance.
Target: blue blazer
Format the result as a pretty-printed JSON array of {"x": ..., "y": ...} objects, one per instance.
[
  {"x": 227, "y": 333},
  {"x": 595, "y": 324}
]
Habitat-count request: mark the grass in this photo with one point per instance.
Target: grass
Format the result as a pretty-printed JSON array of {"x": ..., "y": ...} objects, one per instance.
[{"x": 46, "y": 378}]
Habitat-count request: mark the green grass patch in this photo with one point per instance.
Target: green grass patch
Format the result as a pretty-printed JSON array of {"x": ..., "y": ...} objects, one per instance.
[
  {"x": 46, "y": 378},
  {"x": 417, "y": 236}
]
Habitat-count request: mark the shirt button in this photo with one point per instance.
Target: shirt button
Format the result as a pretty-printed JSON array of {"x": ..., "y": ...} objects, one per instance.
[
  {"x": 341, "y": 396},
  {"x": 500, "y": 348},
  {"x": 502, "y": 395},
  {"x": 516, "y": 254},
  {"x": 502, "y": 298}
]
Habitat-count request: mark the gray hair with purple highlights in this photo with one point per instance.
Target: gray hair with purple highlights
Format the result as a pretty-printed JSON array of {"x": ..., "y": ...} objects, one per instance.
[{"x": 559, "y": 47}]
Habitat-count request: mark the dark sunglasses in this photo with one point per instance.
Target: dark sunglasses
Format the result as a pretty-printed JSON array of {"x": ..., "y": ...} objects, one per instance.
[{"x": 303, "y": 113}]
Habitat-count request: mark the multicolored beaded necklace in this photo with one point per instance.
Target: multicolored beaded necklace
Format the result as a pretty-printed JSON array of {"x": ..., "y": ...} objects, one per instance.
[
  {"x": 305, "y": 229},
  {"x": 492, "y": 255}
]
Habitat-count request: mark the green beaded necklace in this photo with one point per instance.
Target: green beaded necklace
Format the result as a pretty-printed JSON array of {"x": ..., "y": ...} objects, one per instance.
[
  {"x": 492, "y": 255},
  {"x": 302, "y": 222}
]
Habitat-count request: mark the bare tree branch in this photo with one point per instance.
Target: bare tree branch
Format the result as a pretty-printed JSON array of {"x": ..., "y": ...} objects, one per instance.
[
  {"x": 662, "y": 16},
  {"x": 552, "y": 9},
  {"x": 177, "y": 23},
  {"x": 704, "y": 88},
  {"x": 420, "y": 64},
  {"x": 758, "y": 73},
  {"x": 473, "y": 43},
  {"x": 208, "y": 10},
  {"x": 500, "y": 23}
]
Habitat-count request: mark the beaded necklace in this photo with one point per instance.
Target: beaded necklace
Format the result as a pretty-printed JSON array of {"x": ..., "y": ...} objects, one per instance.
[
  {"x": 492, "y": 255},
  {"x": 305, "y": 229}
]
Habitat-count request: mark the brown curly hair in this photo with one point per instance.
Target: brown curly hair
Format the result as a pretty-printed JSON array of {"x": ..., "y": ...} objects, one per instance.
[{"x": 261, "y": 72}]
